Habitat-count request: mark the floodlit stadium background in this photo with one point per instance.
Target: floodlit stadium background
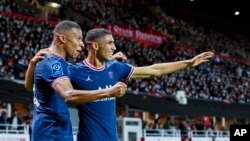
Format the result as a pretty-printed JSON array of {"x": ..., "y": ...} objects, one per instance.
[{"x": 194, "y": 104}]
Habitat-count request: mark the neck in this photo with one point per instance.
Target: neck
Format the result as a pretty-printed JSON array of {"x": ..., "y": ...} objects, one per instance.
[
  {"x": 93, "y": 60},
  {"x": 58, "y": 50}
]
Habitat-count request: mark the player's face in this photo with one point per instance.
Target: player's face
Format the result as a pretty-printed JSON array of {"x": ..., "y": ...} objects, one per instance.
[
  {"x": 74, "y": 43},
  {"x": 106, "y": 47}
]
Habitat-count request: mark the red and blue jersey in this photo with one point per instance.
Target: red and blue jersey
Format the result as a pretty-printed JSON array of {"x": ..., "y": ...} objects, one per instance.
[
  {"x": 51, "y": 121},
  {"x": 98, "y": 118}
]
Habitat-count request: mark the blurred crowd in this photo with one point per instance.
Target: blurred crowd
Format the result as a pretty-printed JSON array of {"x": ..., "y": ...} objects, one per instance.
[{"x": 224, "y": 78}]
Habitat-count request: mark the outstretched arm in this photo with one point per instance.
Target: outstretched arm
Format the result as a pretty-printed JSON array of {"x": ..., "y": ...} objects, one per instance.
[
  {"x": 166, "y": 68},
  {"x": 30, "y": 71}
]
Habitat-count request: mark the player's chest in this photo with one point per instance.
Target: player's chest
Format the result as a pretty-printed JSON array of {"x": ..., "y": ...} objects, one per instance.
[{"x": 95, "y": 79}]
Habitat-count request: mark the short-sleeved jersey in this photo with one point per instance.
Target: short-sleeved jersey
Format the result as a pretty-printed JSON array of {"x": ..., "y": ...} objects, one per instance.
[
  {"x": 51, "y": 121},
  {"x": 98, "y": 118}
]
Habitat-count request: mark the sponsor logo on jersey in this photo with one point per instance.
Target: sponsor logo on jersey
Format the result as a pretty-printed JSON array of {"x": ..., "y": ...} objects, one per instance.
[
  {"x": 105, "y": 99},
  {"x": 89, "y": 79},
  {"x": 36, "y": 102}
]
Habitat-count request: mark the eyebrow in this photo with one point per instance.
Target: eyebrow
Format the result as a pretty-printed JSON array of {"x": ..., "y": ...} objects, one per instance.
[
  {"x": 79, "y": 36},
  {"x": 111, "y": 41}
]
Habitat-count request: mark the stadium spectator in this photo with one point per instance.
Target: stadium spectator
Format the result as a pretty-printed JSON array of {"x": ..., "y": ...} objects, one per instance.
[
  {"x": 3, "y": 120},
  {"x": 15, "y": 121}
]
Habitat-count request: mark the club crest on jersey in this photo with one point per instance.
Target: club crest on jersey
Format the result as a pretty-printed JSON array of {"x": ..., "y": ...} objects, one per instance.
[
  {"x": 57, "y": 69},
  {"x": 111, "y": 75}
]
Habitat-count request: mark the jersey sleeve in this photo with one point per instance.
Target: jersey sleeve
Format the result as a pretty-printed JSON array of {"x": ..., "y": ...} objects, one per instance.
[
  {"x": 73, "y": 68},
  {"x": 126, "y": 70},
  {"x": 55, "y": 70}
]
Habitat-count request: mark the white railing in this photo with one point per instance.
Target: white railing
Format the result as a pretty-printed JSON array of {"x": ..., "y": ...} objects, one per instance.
[
  {"x": 9, "y": 134},
  {"x": 203, "y": 133},
  {"x": 188, "y": 133},
  {"x": 161, "y": 133},
  {"x": 7, "y": 129}
]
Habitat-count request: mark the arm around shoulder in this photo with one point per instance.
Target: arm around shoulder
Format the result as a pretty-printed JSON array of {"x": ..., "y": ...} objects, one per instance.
[{"x": 29, "y": 75}]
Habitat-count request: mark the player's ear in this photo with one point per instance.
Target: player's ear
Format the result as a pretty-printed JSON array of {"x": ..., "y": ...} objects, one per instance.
[
  {"x": 62, "y": 38},
  {"x": 95, "y": 45}
]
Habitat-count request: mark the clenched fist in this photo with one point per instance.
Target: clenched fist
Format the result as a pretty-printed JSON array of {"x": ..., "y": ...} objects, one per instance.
[{"x": 118, "y": 90}]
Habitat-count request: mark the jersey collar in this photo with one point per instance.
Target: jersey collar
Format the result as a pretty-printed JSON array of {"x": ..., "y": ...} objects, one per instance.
[
  {"x": 58, "y": 55},
  {"x": 93, "y": 67}
]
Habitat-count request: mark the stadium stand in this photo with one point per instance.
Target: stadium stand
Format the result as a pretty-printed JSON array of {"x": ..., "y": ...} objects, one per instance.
[
  {"x": 215, "y": 78},
  {"x": 225, "y": 78}
]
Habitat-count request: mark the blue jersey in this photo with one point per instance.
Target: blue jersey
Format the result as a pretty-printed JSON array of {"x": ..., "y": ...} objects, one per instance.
[
  {"x": 98, "y": 118},
  {"x": 51, "y": 121}
]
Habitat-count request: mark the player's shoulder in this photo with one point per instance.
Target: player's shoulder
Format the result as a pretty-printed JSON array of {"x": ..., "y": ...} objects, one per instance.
[
  {"x": 115, "y": 63},
  {"x": 76, "y": 66},
  {"x": 50, "y": 60},
  {"x": 111, "y": 63},
  {"x": 55, "y": 57}
]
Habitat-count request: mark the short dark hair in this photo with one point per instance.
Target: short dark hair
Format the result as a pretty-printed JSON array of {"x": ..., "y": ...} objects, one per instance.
[
  {"x": 96, "y": 33},
  {"x": 64, "y": 26}
]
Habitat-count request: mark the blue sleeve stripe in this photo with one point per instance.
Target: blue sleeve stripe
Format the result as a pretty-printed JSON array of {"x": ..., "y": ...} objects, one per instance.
[
  {"x": 131, "y": 72},
  {"x": 53, "y": 84}
]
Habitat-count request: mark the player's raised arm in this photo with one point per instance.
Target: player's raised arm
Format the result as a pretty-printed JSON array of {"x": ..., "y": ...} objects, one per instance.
[
  {"x": 28, "y": 83},
  {"x": 64, "y": 89},
  {"x": 166, "y": 68}
]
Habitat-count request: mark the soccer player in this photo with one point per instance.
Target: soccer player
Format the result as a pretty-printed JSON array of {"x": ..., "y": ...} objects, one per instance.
[
  {"x": 53, "y": 89},
  {"x": 96, "y": 72}
]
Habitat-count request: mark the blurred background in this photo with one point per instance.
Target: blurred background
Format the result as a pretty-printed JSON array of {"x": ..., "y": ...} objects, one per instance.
[{"x": 197, "y": 104}]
